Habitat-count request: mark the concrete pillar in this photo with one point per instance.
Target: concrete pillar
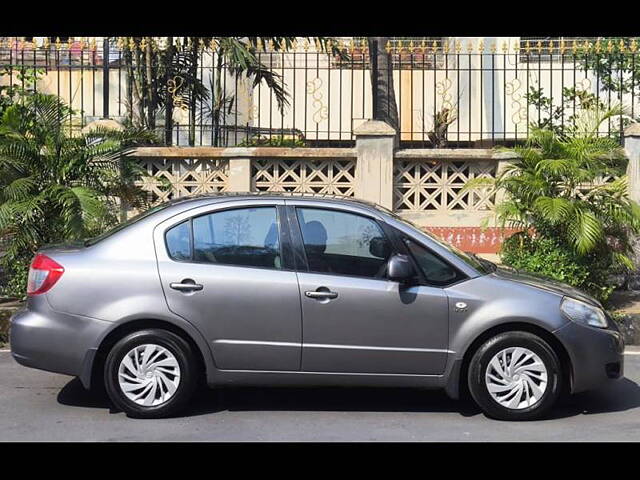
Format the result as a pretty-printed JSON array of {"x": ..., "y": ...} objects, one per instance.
[
  {"x": 505, "y": 159},
  {"x": 374, "y": 170},
  {"x": 239, "y": 175},
  {"x": 632, "y": 148}
]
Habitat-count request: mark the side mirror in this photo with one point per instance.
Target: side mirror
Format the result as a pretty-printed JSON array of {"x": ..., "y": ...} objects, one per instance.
[{"x": 399, "y": 268}]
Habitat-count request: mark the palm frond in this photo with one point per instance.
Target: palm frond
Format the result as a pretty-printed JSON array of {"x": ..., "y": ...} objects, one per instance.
[
  {"x": 554, "y": 166},
  {"x": 18, "y": 189},
  {"x": 585, "y": 230},
  {"x": 242, "y": 60},
  {"x": 54, "y": 185},
  {"x": 553, "y": 210},
  {"x": 589, "y": 120},
  {"x": 622, "y": 260},
  {"x": 510, "y": 213},
  {"x": 478, "y": 183}
]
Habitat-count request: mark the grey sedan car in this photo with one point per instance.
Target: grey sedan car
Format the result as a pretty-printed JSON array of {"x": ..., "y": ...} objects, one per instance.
[{"x": 294, "y": 290}]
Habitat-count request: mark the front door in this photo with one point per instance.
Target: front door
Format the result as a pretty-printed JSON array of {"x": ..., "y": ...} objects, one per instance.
[
  {"x": 355, "y": 319},
  {"x": 224, "y": 271}
]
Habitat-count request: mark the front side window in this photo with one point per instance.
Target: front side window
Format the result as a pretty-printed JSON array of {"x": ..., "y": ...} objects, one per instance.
[
  {"x": 244, "y": 236},
  {"x": 343, "y": 243},
  {"x": 435, "y": 270},
  {"x": 465, "y": 257}
]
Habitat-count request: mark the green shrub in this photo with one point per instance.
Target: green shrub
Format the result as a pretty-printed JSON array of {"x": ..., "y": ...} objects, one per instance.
[
  {"x": 56, "y": 186},
  {"x": 5, "y": 314},
  {"x": 553, "y": 259},
  {"x": 15, "y": 274},
  {"x": 583, "y": 227},
  {"x": 279, "y": 141}
]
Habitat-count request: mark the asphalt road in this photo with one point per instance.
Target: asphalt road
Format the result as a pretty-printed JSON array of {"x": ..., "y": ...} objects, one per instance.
[{"x": 37, "y": 406}]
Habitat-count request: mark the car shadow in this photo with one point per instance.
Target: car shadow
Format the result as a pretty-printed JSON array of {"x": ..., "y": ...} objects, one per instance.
[
  {"x": 619, "y": 396},
  {"x": 207, "y": 401},
  {"x": 327, "y": 399},
  {"x": 73, "y": 394}
]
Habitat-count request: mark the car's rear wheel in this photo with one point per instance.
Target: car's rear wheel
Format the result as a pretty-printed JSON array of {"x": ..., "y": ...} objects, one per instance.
[
  {"x": 150, "y": 373},
  {"x": 515, "y": 376}
]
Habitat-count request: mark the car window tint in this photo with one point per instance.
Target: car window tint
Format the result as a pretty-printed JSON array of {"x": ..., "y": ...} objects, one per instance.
[
  {"x": 435, "y": 270},
  {"x": 178, "y": 241},
  {"x": 244, "y": 236},
  {"x": 343, "y": 243}
]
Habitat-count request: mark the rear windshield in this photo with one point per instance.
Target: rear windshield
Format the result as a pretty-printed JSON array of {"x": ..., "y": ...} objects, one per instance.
[{"x": 93, "y": 240}]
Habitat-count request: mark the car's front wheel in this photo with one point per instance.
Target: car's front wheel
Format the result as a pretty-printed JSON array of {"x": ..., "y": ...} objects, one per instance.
[
  {"x": 150, "y": 373},
  {"x": 515, "y": 376}
]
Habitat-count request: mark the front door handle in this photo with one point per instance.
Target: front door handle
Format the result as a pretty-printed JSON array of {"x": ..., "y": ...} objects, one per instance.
[
  {"x": 187, "y": 285},
  {"x": 321, "y": 294}
]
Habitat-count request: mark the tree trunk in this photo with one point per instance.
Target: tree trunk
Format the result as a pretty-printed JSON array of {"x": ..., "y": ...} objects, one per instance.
[
  {"x": 139, "y": 92},
  {"x": 128, "y": 60},
  {"x": 168, "y": 100},
  {"x": 217, "y": 101},
  {"x": 151, "y": 87},
  {"x": 384, "y": 98},
  {"x": 192, "y": 93}
]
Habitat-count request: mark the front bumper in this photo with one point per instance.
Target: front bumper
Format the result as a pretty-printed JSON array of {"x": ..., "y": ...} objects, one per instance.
[
  {"x": 597, "y": 354},
  {"x": 56, "y": 342}
]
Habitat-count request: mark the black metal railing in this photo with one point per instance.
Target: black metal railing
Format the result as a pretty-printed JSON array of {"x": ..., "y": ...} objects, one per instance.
[{"x": 448, "y": 93}]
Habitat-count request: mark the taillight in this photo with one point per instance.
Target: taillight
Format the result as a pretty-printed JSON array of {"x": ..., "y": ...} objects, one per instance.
[{"x": 43, "y": 274}]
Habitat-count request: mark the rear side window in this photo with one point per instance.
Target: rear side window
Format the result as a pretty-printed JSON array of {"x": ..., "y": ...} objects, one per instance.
[
  {"x": 244, "y": 236},
  {"x": 179, "y": 242}
]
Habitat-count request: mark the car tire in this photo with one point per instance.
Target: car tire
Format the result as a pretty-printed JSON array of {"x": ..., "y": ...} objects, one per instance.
[
  {"x": 515, "y": 376},
  {"x": 151, "y": 373}
]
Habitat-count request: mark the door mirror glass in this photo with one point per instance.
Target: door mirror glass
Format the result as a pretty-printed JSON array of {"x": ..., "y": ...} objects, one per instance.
[{"x": 399, "y": 268}]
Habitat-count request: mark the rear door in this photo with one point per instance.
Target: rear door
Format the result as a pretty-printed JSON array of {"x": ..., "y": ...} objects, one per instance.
[
  {"x": 227, "y": 269},
  {"x": 355, "y": 319}
]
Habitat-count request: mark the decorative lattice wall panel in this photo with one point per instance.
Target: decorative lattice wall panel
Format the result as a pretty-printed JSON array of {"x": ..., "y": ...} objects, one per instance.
[
  {"x": 332, "y": 176},
  {"x": 583, "y": 190},
  {"x": 429, "y": 185},
  {"x": 170, "y": 178}
]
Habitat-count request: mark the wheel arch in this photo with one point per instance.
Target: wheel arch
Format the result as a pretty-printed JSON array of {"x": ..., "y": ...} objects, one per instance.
[
  {"x": 123, "y": 329},
  {"x": 482, "y": 337}
]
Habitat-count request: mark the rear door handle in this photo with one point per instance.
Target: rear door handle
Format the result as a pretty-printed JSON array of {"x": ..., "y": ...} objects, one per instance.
[
  {"x": 321, "y": 294},
  {"x": 187, "y": 285}
]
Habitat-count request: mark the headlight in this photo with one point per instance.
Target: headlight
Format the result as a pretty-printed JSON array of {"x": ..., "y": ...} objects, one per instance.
[{"x": 584, "y": 313}]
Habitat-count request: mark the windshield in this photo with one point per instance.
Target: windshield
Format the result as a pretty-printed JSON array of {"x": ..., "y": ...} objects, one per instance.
[
  {"x": 480, "y": 264},
  {"x": 93, "y": 240}
]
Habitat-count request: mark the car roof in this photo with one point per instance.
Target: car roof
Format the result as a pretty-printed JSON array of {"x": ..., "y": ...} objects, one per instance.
[{"x": 340, "y": 199}]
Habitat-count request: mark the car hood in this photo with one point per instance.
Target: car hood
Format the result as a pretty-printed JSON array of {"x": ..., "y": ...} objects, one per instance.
[{"x": 545, "y": 283}]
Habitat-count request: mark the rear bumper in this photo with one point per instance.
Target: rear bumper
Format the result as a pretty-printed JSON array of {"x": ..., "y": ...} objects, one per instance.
[
  {"x": 56, "y": 342},
  {"x": 597, "y": 355}
]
